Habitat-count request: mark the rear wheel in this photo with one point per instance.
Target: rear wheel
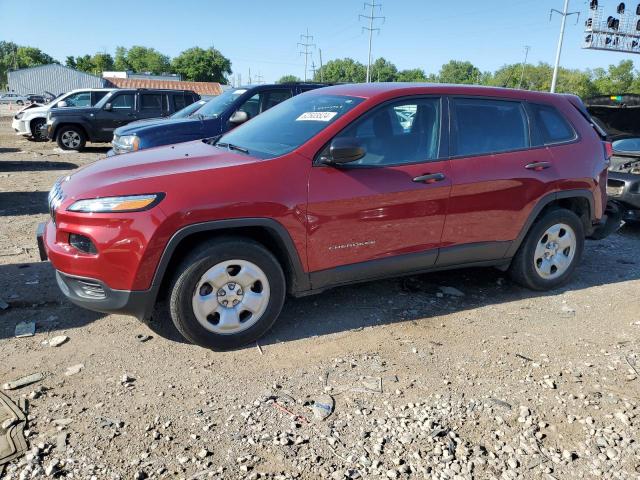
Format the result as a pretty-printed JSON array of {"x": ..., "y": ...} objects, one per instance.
[
  {"x": 550, "y": 252},
  {"x": 227, "y": 293},
  {"x": 20, "y": 102},
  {"x": 71, "y": 138}
]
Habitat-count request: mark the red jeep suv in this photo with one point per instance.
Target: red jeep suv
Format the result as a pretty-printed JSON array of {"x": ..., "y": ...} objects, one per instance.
[{"x": 338, "y": 185}]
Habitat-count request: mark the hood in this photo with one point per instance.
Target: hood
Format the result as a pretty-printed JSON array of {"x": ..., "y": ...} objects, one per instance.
[
  {"x": 152, "y": 169},
  {"x": 173, "y": 125},
  {"x": 33, "y": 108}
]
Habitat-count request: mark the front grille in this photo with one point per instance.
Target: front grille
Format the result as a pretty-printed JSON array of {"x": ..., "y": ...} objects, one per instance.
[{"x": 56, "y": 196}]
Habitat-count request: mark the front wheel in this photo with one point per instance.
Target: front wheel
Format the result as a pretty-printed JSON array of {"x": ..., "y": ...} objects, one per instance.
[
  {"x": 227, "y": 293},
  {"x": 39, "y": 129},
  {"x": 550, "y": 252},
  {"x": 20, "y": 102}
]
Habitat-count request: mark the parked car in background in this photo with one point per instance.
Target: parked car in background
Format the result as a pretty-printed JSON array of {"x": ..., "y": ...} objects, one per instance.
[
  {"x": 31, "y": 121},
  {"x": 72, "y": 128},
  {"x": 220, "y": 114},
  {"x": 35, "y": 98},
  {"x": 11, "y": 97},
  {"x": 619, "y": 116},
  {"x": 335, "y": 186}
]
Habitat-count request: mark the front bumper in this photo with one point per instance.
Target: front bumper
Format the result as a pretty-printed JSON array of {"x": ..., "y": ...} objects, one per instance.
[
  {"x": 624, "y": 188},
  {"x": 21, "y": 127},
  {"x": 94, "y": 294}
]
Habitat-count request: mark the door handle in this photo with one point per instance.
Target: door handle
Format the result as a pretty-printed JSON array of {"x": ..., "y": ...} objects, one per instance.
[
  {"x": 430, "y": 178},
  {"x": 538, "y": 166}
]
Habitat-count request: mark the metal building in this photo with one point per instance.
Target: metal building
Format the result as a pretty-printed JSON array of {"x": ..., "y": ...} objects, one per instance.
[{"x": 52, "y": 78}]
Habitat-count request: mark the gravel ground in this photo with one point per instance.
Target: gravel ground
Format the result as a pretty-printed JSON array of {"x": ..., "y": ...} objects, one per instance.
[{"x": 498, "y": 383}]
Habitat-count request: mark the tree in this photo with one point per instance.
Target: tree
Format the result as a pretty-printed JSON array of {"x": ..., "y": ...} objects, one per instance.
[
  {"x": 199, "y": 65},
  {"x": 102, "y": 62},
  {"x": 342, "y": 70},
  {"x": 13, "y": 56},
  {"x": 459, "y": 72},
  {"x": 289, "y": 79},
  {"x": 411, "y": 75},
  {"x": 141, "y": 60},
  {"x": 120, "y": 60},
  {"x": 383, "y": 70},
  {"x": 71, "y": 62},
  {"x": 616, "y": 79}
]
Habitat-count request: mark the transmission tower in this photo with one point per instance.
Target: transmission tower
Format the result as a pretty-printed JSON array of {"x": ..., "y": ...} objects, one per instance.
[
  {"x": 371, "y": 17},
  {"x": 524, "y": 64},
  {"x": 564, "y": 14},
  {"x": 308, "y": 45}
]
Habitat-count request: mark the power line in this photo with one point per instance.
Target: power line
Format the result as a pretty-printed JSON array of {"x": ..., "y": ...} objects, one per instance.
[
  {"x": 564, "y": 13},
  {"x": 371, "y": 17},
  {"x": 308, "y": 46},
  {"x": 524, "y": 64}
]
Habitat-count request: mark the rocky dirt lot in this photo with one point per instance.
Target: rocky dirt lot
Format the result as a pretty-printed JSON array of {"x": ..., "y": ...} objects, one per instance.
[{"x": 484, "y": 381}]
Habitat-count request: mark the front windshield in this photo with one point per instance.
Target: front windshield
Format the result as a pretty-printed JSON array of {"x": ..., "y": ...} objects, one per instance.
[
  {"x": 189, "y": 109},
  {"x": 216, "y": 106},
  {"x": 627, "y": 145},
  {"x": 288, "y": 125}
]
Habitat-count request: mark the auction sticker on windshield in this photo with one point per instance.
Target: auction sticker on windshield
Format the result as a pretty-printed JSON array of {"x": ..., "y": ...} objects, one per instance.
[{"x": 316, "y": 116}]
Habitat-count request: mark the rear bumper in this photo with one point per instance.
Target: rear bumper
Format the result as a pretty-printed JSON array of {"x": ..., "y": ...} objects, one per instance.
[{"x": 624, "y": 188}]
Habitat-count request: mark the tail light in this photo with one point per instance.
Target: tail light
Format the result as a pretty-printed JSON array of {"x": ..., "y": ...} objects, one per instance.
[{"x": 608, "y": 150}]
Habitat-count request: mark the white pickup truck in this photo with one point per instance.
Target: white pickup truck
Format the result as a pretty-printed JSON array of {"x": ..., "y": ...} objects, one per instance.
[{"x": 31, "y": 121}]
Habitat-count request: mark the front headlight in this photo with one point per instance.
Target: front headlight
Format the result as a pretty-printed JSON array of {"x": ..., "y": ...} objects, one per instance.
[
  {"x": 129, "y": 203},
  {"x": 128, "y": 142}
]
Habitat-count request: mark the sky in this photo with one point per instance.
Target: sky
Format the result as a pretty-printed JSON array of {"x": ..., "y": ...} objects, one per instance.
[{"x": 262, "y": 35}]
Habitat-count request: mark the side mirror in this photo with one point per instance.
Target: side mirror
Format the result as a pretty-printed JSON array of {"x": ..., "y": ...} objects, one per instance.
[
  {"x": 238, "y": 117},
  {"x": 344, "y": 150},
  {"x": 61, "y": 104},
  {"x": 108, "y": 107}
]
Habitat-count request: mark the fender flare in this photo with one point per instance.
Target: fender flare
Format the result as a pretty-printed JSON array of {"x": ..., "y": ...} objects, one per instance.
[
  {"x": 544, "y": 202},
  {"x": 300, "y": 279}
]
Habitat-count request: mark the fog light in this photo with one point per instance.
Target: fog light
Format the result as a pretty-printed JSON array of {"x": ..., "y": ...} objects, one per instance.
[{"x": 82, "y": 243}]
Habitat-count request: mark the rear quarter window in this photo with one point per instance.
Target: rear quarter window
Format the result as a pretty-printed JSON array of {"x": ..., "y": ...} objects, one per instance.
[{"x": 551, "y": 125}]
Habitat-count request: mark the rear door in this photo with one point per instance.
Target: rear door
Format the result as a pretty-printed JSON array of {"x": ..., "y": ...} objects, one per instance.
[
  {"x": 150, "y": 105},
  {"x": 391, "y": 202},
  {"x": 497, "y": 178}
]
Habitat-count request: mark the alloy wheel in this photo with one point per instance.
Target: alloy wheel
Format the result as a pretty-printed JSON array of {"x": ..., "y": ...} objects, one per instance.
[{"x": 71, "y": 139}]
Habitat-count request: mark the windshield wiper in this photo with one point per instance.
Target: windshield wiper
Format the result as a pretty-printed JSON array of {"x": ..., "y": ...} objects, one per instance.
[{"x": 231, "y": 146}]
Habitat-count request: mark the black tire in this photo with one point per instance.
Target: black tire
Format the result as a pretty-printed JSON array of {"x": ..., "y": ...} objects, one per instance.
[
  {"x": 523, "y": 269},
  {"x": 73, "y": 131},
  {"x": 20, "y": 102},
  {"x": 189, "y": 274},
  {"x": 37, "y": 129}
]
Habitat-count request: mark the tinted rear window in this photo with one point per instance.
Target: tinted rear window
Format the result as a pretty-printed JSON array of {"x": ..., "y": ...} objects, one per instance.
[
  {"x": 552, "y": 126},
  {"x": 485, "y": 126}
]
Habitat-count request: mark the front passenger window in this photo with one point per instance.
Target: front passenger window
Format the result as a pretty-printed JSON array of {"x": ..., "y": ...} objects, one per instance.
[
  {"x": 123, "y": 102},
  {"x": 399, "y": 133}
]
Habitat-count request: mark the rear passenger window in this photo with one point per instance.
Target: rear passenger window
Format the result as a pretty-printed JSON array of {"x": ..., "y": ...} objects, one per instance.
[
  {"x": 485, "y": 126},
  {"x": 552, "y": 126},
  {"x": 179, "y": 102},
  {"x": 151, "y": 101}
]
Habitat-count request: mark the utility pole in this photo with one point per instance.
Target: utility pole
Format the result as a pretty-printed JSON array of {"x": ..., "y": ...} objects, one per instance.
[
  {"x": 313, "y": 69},
  {"x": 259, "y": 79},
  {"x": 564, "y": 14},
  {"x": 371, "y": 17},
  {"x": 526, "y": 55},
  {"x": 321, "y": 79},
  {"x": 308, "y": 46},
  {"x": 249, "y": 76}
]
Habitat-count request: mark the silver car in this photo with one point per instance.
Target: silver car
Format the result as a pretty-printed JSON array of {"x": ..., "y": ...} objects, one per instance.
[{"x": 13, "y": 98}]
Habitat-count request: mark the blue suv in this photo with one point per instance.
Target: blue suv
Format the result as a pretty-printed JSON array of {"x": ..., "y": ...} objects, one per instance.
[{"x": 219, "y": 115}]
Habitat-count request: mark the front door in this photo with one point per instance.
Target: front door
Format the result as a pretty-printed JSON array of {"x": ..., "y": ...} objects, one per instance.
[
  {"x": 123, "y": 111},
  {"x": 389, "y": 203}
]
